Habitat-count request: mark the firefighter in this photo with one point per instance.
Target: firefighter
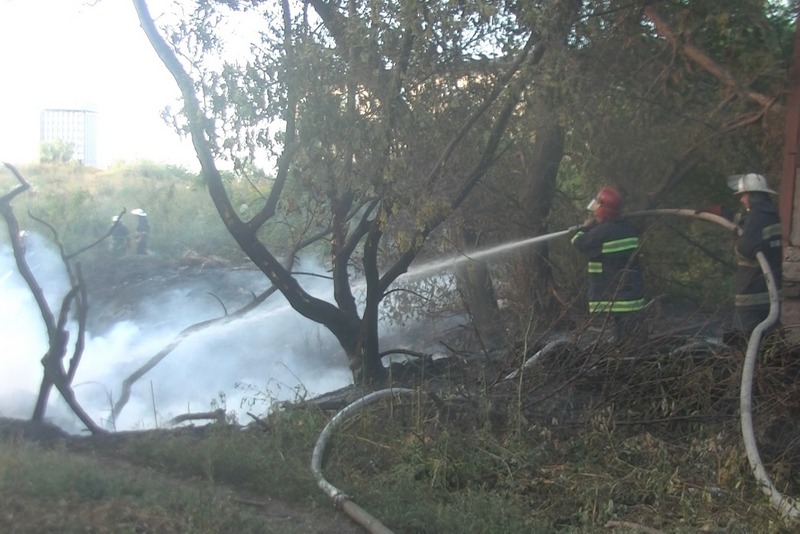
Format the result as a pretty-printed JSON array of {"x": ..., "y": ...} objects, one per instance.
[
  {"x": 142, "y": 230},
  {"x": 120, "y": 237},
  {"x": 760, "y": 232},
  {"x": 616, "y": 281}
]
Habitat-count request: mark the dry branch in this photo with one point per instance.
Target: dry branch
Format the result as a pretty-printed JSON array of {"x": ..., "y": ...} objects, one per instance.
[
  {"x": 700, "y": 58},
  {"x": 57, "y": 332}
]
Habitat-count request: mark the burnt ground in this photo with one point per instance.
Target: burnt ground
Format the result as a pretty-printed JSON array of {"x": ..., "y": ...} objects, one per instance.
[{"x": 117, "y": 287}]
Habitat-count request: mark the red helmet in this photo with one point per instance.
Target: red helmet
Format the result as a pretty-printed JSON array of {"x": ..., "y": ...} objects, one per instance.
[{"x": 607, "y": 204}]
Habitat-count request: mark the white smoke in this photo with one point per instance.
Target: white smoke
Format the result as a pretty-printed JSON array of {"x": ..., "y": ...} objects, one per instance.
[{"x": 274, "y": 350}]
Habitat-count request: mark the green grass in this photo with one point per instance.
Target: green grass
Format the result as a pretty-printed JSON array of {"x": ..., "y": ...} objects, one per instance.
[
  {"x": 57, "y": 491},
  {"x": 416, "y": 467}
]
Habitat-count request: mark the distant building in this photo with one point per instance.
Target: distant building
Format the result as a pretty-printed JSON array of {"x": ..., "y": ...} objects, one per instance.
[{"x": 75, "y": 126}]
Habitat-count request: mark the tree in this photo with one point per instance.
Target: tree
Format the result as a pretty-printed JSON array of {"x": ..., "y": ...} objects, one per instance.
[
  {"x": 58, "y": 151},
  {"x": 382, "y": 117},
  {"x": 55, "y": 373},
  {"x": 390, "y": 114}
]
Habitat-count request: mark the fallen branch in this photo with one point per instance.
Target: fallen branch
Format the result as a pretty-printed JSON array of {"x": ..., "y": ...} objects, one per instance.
[
  {"x": 218, "y": 415},
  {"x": 702, "y": 59}
]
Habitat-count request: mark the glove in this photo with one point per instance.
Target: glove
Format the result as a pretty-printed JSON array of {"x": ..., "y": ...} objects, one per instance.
[{"x": 714, "y": 209}]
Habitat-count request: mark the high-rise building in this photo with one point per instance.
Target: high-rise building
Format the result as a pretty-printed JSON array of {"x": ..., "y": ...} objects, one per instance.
[{"x": 75, "y": 126}]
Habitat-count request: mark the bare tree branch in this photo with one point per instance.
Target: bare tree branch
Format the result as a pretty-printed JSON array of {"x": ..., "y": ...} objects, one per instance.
[
  {"x": 57, "y": 332},
  {"x": 702, "y": 59}
]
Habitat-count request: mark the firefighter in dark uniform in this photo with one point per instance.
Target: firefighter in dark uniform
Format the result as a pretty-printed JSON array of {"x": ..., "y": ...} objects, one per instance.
[
  {"x": 142, "y": 230},
  {"x": 760, "y": 232},
  {"x": 616, "y": 281},
  {"x": 120, "y": 237}
]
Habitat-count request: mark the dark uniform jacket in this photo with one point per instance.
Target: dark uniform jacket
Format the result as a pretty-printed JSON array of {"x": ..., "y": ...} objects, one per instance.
[
  {"x": 761, "y": 232},
  {"x": 143, "y": 226},
  {"x": 616, "y": 282}
]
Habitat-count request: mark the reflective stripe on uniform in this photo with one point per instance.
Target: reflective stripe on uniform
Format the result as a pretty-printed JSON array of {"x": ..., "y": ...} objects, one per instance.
[
  {"x": 595, "y": 267},
  {"x": 773, "y": 230},
  {"x": 601, "y": 306},
  {"x": 576, "y": 236},
  {"x": 620, "y": 245}
]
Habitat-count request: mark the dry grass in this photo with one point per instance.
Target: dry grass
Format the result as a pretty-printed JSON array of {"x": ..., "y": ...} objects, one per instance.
[{"x": 584, "y": 439}]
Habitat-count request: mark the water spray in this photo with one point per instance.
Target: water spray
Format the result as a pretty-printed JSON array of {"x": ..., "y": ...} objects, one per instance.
[
  {"x": 787, "y": 506},
  {"x": 480, "y": 254}
]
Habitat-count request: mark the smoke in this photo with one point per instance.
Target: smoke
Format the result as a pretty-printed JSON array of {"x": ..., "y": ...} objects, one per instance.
[{"x": 272, "y": 354}]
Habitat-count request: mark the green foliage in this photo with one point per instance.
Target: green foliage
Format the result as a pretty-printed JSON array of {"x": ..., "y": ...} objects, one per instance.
[
  {"x": 153, "y": 171},
  {"x": 56, "y": 152},
  {"x": 79, "y": 203}
]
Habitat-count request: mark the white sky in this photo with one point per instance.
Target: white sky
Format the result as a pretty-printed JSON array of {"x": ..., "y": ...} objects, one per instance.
[{"x": 67, "y": 53}]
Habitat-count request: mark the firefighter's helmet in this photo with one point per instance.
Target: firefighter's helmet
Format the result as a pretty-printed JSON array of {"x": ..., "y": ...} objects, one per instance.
[
  {"x": 749, "y": 183},
  {"x": 607, "y": 204}
]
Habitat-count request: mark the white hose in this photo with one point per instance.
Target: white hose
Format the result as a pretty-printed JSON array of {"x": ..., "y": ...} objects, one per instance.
[
  {"x": 340, "y": 499},
  {"x": 549, "y": 348},
  {"x": 787, "y": 506}
]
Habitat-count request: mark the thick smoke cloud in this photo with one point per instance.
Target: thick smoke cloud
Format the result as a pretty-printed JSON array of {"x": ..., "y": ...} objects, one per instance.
[{"x": 274, "y": 351}]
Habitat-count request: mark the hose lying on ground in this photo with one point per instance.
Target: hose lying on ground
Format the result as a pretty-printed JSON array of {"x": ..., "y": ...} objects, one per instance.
[
  {"x": 546, "y": 351},
  {"x": 341, "y": 500},
  {"x": 787, "y": 506}
]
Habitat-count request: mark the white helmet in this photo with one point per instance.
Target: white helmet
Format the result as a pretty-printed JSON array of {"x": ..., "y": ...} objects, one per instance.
[
  {"x": 138, "y": 211},
  {"x": 747, "y": 183},
  {"x": 115, "y": 218}
]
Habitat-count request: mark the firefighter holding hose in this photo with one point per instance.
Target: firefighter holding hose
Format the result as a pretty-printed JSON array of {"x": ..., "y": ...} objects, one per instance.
[
  {"x": 616, "y": 281},
  {"x": 760, "y": 232}
]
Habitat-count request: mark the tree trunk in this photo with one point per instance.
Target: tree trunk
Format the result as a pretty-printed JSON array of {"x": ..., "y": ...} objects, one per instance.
[
  {"x": 41, "y": 400},
  {"x": 475, "y": 285},
  {"x": 365, "y": 360},
  {"x": 533, "y": 273}
]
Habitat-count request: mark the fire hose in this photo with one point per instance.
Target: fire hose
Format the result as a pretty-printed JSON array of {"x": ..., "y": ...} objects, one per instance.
[
  {"x": 787, "y": 506},
  {"x": 340, "y": 499}
]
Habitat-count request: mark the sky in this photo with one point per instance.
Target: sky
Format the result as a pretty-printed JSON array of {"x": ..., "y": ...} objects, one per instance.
[{"x": 70, "y": 54}]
